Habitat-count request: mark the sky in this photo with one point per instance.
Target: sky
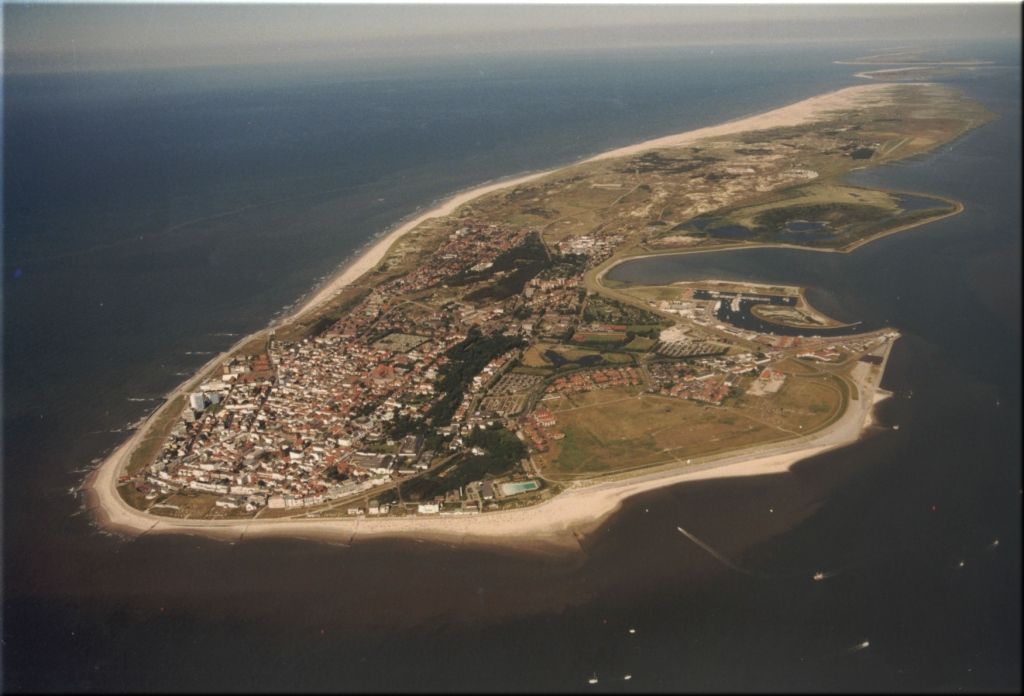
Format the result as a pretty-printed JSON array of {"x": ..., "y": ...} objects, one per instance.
[{"x": 52, "y": 37}]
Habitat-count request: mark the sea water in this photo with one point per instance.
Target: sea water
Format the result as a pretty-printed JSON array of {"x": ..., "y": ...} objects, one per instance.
[{"x": 151, "y": 218}]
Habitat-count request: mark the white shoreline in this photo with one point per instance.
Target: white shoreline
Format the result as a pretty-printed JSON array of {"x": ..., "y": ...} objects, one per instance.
[
  {"x": 554, "y": 522},
  {"x": 791, "y": 115},
  {"x": 545, "y": 527}
]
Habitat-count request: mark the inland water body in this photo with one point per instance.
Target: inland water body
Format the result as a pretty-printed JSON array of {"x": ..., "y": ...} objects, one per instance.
[{"x": 149, "y": 216}]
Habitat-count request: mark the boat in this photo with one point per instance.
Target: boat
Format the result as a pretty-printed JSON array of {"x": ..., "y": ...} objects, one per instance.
[
  {"x": 627, "y": 677},
  {"x": 819, "y": 575},
  {"x": 593, "y": 679}
]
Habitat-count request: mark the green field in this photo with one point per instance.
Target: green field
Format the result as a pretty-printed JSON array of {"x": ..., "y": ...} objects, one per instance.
[
  {"x": 620, "y": 429},
  {"x": 557, "y": 357},
  {"x": 640, "y": 344},
  {"x": 846, "y": 214}
]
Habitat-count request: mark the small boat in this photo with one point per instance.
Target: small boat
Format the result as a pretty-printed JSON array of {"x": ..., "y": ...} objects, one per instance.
[
  {"x": 858, "y": 647},
  {"x": 627, "y": 677},
  {"x": 593, "y": 679},
  {"x": 819, "y": 575},
  {"x": 632, "y": 631},
  {"x": 896, "y": 427}
]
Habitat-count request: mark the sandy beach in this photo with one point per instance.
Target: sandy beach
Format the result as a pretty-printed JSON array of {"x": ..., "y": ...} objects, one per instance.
[
  {"x": 553, "y": 524},
  {"x": 795, "y": 114},
  {"x": 548, "y": 527}
]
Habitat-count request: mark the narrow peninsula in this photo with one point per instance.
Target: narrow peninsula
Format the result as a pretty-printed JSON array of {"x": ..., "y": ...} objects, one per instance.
[{"x": 475, "y": 376}]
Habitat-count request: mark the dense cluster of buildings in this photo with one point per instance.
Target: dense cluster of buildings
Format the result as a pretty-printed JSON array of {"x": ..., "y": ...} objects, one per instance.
[
  {"x": 709, "y": 380},
  {"x": 588, "y": 380},
  {"x": 540, "y": 428},
  {"x": 303, "y": 423},
  {"x": 310, "y": 421},
  {"x": 348, "y": 411},
  {"x": 595, "y": 247}
]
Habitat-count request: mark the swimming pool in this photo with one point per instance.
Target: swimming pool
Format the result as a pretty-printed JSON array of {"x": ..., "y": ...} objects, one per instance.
[{"x": 520, "y": 487}]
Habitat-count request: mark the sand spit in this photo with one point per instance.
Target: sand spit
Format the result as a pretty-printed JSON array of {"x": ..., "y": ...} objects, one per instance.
[{"x": 553, "y": 525}]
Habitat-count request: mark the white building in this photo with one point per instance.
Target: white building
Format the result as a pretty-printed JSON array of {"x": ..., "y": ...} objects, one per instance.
[{"x": 197, "y": 401}]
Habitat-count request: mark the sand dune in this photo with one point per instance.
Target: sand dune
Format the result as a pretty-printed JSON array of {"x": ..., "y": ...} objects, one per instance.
[{"x": 801, "y": 112}]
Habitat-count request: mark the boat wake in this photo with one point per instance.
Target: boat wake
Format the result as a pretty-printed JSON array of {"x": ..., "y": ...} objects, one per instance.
[
  {"x": 818, "y": 576},
  {"x": 719, "y": 557},
  {"x": 863, "y": 645}
]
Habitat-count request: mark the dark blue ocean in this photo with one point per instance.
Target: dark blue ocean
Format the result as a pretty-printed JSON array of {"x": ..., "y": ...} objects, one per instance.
[{"x": 152, "y": 218}]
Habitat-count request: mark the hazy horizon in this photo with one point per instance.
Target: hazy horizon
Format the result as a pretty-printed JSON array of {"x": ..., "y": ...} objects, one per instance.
[{"x": 103, "y": 37}]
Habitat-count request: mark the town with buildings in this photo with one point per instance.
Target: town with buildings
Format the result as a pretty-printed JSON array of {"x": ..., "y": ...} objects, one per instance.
[
  {"x": 399, "y": 391},
  {"x": 485, "y": 363}
]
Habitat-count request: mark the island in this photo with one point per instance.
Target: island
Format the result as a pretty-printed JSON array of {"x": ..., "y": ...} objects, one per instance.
[
  {"x": 475, "y": 376},
  {"x": 913, "y": 65}
]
